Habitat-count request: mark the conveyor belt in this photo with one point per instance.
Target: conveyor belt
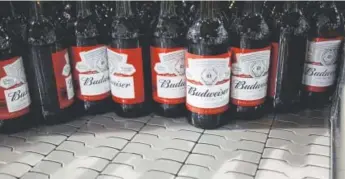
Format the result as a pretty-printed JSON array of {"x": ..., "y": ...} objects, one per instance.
[{"x": 291, "y": 146}]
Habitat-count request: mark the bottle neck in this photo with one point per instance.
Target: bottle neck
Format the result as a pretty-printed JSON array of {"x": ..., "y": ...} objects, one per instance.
[
  {"x": 252, "y": 8},
  {"x": 83, "y": 9},
  {"x": 36, "y": 12},
  {"x": 291, "y": 6},
  {"x": 327, "y": 4},
  {"x": 13, "y": 10},
  {"x": 207, "y": 9},
  {"x": 123, "y": 8},
  {"x": 167, "y": 8}
]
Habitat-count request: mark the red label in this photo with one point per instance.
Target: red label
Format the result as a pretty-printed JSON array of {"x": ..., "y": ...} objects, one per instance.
[
  {"x": 249, "y": 76},
  {"x": 168, "y": 75},
  {"x": 321, "y": 64},
  {"x": 14, "y": 91},
  {"x": 126, "y": 75},
  {"x": 90, "y": 72},
  {"x": 63, "y": 77},
  {"x": 208, "y": 83},
  {"x": 272, "y": 83}
]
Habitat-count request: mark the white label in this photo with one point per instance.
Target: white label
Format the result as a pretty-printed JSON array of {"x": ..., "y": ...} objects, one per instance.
[
  {"x": 94, "y": 84},
  {"x": 248, "y": 88},
  {"x": 321, "y": 76},
  {"x": 118, "y": 63},
  {"x": 17, "y": 98},
  {"x": 94, "y": 61},
  {"x": 320, "y": 67},
  {"x": 171, "y": 87},
  {"x": 174, "y": 84},
  {"x": 122, "y": 87},
  {"x": 16, "y": 70},
  {"x": 171, "y": 63},
  {"x": 250, "y": 73},
  {"x": 206, "y": 97},
  {"x": 121, "y": 79},
  {"x": 211, "y": 82},
  {"x": 69, "y": 86}
]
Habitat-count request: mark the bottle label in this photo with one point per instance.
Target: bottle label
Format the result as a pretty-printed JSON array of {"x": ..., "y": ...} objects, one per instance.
[
  {"x": 321, "y": 63},
  {"x": 14, "y": 91},
  {"x": 168, "y": 75},
  {"x": 249, "y": 76},
  {"x": 271, "y": 91},
  {"x": 126, "y": 75},
  {"x": 63, "y": 77},
  {"x": 91, "y": 75},
  {"x": 208, "y": 83}
]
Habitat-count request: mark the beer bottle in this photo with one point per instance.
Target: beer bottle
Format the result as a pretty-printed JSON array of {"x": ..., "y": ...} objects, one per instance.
[{"x": 207, "y": 69}]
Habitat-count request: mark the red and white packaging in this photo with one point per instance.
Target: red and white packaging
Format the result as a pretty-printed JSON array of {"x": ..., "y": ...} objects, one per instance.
[
  {"x": 271, "y": 90},
  {"x": 91, "y": 74},
  {"x": 63, "y": 77},
  {"x": 14, "y": 92},
  {"x": 249, "y": 76},
  {"x": 208, "y": 83},
  {"x": 126, "y": 75},
  {"x": 168, "y": 75},
  {"x": 321, "y": 63}
]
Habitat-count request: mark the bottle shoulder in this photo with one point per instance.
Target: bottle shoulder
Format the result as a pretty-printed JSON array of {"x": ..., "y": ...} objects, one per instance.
[
  {"x": 5, "y": 39},
  {"x": 294, "y": 23},
  {"x": 327, "y": 22},
  {"x": 125, "y": 28},
  {"x": 210, "y": 31},
  {"x": 169, "y": 27},
  {"x": 41, "y": 32},
  {"x": 86, "y": 27},
  {"x": 250, "y": 27}
]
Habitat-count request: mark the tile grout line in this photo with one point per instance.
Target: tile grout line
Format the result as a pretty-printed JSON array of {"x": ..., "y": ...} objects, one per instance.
[
  {"x": 45, "y": 156},
  {"x": 190, "y": 152},
  {"x": 269, "y": 131},
  {"x": 129, "y": 141}
]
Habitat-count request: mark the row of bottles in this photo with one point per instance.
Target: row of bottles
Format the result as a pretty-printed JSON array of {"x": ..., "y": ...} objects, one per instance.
[{"x": 209, "y": 64}]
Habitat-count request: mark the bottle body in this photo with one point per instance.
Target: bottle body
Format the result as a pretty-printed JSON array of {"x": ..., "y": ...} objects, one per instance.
[
  {"x": 289, "y": 39},
  {"x": 250, "y": 55},
  {"x": 50, "y": 77},
  {"x": 90, "y": 65},
  {"x": 167, "y": 62},
  {"x": 207, "y": 70},
  {"x": 15, "y": 109},
  {"x": 52, "y": 91},
  {"x": 322, "y": 59},
  {"x": 129, "y": 65}
]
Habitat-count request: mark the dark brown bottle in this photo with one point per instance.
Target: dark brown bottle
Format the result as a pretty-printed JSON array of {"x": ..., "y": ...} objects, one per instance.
[
  {"x": 90, "y": 65},
  {"x": 272, "y": 13},
  {"x": 16, "y": 23},
  {"x": 145, "y": 12},
  {"x": 234, "y": 10},
  {"x": 207, "y": 69},
  {"x": 323, "y": 53},
  {"x": 15, "y": 99},
  {"x": 129, "y": 65},
  {"x": 310, "y": 8},
  {"x": 250, "y": 52},
  {"x": 102, "y": 12},
  {"x": 289, "y": 39},
  {"x": 64, "y": 19},
  {"x": 50, "y": 78},
  {"x": 192, "y": 8},
  {"x": 167, "y": 62}
]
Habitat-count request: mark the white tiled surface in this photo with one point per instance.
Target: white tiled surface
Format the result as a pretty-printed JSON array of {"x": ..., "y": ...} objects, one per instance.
[{"x": 291, "y": 146}]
